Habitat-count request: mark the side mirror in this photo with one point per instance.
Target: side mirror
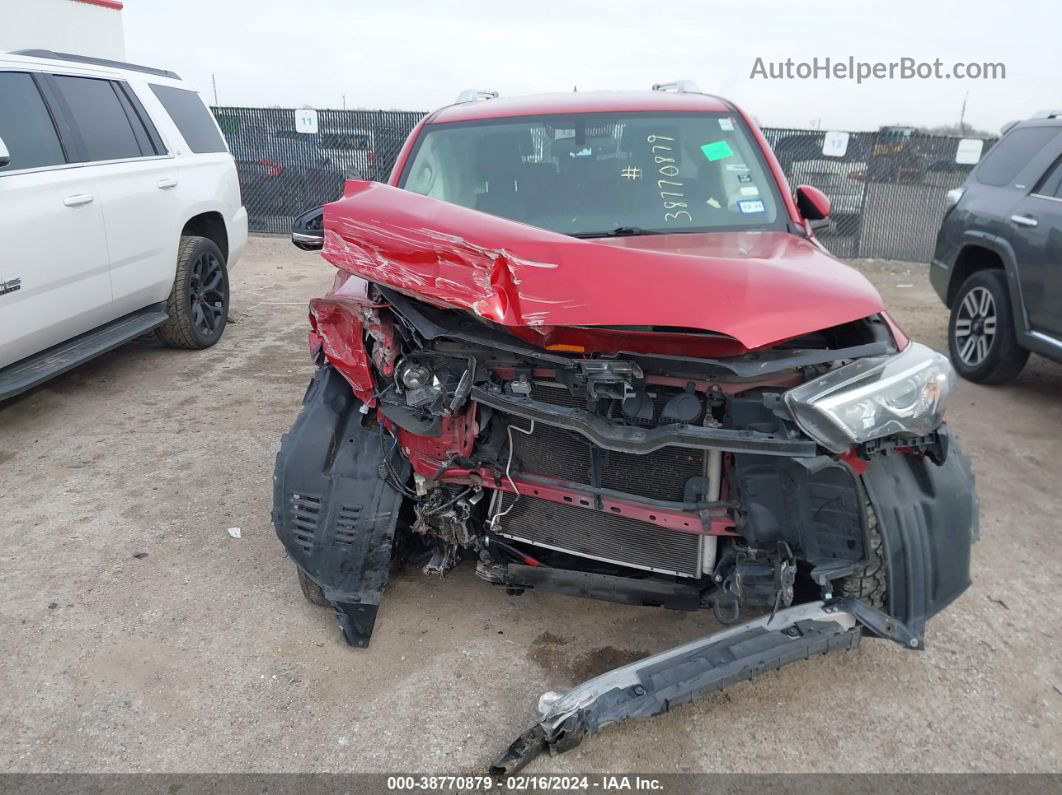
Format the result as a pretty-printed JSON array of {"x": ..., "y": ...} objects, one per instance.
[
  {"x": 814, "y": 205},
  {"x": 5, "y": 156},
  {"x": 307, "y": 230}
]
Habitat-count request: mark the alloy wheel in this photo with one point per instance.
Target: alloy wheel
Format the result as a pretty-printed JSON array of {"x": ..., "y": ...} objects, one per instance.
[
  {"x": 206, "y": 293},
  {"x": 975, "y": 326}
]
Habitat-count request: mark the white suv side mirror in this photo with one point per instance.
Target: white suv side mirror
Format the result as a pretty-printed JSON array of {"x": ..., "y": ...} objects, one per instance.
[{"x": 5, "y": 156}]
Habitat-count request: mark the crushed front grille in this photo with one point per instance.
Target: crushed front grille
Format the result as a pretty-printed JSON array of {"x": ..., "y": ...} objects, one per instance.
[{"x": 603, "y": 536}]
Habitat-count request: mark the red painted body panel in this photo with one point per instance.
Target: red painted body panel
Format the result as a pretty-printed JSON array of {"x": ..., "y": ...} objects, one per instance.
[
  {"x": 431, "y": 454},
  {"x": 338, "y": 323},
  {"x": 899, "y": 336},
  {"x": 757, "y": 287},
  {"x": 583, "y": 102},
  {"x": 114, "y": 5},
  {"x": 719, "y": 524}
]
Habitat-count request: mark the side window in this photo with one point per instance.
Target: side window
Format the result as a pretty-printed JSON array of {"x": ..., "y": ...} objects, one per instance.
[
  {"x": 144, "y": 129},
  {"x": 1008, "y": 157},
  {"x": 26, "y": 125},
  {"x": 100, "y": 118},
  {"x": 191, "y": 117},
  {"x": 1051, "y": 184}
]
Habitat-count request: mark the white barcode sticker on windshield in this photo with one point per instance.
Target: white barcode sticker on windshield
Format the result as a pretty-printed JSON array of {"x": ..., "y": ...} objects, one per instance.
[{"x": 726, "y": 124}]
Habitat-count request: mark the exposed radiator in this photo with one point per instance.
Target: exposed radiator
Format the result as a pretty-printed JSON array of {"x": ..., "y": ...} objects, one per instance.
[
  {"x": 602, "y": 536},
  {"x": 558, "y": 453}
]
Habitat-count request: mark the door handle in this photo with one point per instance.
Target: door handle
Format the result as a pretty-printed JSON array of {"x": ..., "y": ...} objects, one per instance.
[
  {"x": 1024, "y": 220},
  {"x": 167, "y": 183},
  {"x": 78, "y": 199}
]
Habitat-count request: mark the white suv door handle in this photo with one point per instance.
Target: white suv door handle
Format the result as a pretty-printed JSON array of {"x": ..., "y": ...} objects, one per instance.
[
  {"x": 1024, "y": 220},
  {"x": 78, "y": 199},
  {"x": 167, "y": 183}
]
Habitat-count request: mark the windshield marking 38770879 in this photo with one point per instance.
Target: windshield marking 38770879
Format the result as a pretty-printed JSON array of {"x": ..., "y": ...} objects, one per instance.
[{"x": 598, "y": 174}]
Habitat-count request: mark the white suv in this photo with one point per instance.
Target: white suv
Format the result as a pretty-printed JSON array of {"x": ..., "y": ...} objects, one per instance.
[{"x": 120, "y": 213}]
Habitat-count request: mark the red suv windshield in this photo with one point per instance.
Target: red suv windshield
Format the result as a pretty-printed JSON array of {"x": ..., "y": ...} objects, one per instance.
[{"x": 596, "y": 174}]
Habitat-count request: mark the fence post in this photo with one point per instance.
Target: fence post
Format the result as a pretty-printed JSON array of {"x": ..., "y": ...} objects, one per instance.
[{"x": 858, "y": 242}]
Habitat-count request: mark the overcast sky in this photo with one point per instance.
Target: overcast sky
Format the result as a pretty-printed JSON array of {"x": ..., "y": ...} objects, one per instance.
[{"x": 414, "y": 55}]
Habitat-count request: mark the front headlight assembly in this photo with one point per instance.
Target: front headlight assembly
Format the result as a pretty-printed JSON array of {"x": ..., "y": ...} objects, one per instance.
[{"x": 874, "y": 397}]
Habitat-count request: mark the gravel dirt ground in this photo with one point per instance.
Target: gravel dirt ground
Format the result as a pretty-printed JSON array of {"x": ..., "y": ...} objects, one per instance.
[{"x": 137, "y": 635}]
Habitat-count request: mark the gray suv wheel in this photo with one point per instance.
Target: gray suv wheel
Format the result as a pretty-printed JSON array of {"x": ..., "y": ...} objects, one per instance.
[{"x": 981, "y": 338}]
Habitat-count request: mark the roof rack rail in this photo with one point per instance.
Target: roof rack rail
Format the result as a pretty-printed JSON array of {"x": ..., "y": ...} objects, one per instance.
[
  {"x": 475, "y": 95},
  {"x": 678, "y": 86},
  {"x": 67, "y": 56},
  {"x": 1047, "y": 114}
]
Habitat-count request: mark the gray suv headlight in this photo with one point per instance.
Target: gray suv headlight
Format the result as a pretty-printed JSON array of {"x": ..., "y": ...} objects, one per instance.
[{"x": 874, "y": 397}]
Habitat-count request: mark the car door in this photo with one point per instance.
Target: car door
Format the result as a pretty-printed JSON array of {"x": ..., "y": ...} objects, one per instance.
[
  {"x": 1037, "y": 236},
  {"x": 136, "y": 182},
  {"x": 54, "y": 280}
]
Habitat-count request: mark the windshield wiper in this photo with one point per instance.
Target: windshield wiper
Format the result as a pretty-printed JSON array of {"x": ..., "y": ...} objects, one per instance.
[{"x": 619, "y": 231}]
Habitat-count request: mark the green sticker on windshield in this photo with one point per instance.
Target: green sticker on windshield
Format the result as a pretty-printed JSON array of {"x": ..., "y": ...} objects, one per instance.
[{"x": 717, "y": 150}]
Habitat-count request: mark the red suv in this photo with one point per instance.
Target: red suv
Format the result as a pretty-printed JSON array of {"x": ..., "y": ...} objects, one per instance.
[{"x": 588, "y": 343}]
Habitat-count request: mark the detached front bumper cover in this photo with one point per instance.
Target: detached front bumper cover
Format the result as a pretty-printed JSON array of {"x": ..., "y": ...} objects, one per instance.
[{"x": 655, "y": 684}]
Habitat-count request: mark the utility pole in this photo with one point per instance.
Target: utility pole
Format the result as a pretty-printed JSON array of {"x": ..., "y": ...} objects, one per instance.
[
  {"x": 962, "y": 116},
  {"x": 344, "y": 102},
  {"x": 215, "y": 83}
]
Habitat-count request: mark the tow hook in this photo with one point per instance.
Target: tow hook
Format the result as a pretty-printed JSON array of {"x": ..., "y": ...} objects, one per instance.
[{"x": 655, "y": 684}]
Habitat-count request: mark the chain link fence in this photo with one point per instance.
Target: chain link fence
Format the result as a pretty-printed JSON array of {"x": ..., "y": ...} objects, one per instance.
[
  {"x": 887, "y": 188},
  {"x": 283, "y": 171}
]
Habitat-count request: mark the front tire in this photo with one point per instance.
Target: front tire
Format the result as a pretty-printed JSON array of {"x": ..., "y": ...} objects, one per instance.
[
  {"x": 313, "y": 592},
  {"x": 198, "y": 304},
  {"x": 981, "y": 335},
  {"x": 870, "y": 585}
]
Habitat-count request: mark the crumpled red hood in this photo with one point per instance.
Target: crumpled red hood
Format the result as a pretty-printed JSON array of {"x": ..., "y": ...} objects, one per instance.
[{"x": 757, "y": 287}]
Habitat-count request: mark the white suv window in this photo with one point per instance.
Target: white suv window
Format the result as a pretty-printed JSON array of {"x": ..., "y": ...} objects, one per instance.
[
  {"x": 191, "y": 117},
  {"x": 25, "y": 124},
  {"x": 99, "y": 118}
]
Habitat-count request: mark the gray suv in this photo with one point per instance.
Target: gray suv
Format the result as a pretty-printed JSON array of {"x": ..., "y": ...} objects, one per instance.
[{"x": 998, "y": 260}]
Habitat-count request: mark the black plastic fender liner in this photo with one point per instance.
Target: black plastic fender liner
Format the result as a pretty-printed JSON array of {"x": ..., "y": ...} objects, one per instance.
[
  {"x": 332, "y": 510},
  {"x": 928, "y": 520}
]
